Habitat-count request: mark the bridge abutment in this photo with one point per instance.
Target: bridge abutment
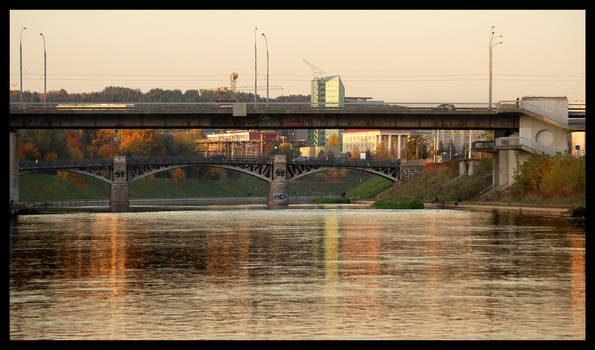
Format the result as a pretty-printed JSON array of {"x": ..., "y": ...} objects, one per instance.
[
  {"x": 119, "y": 199},
  {"x": 278, "y": 197},
  {"x": 14, "y": 167}
]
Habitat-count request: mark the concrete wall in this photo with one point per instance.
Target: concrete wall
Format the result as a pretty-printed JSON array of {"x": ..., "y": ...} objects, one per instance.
[{"x": 554, "y": 108}]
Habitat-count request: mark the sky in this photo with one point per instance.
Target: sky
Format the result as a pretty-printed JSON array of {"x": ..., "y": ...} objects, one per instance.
[{"x": 389, "y": 55}]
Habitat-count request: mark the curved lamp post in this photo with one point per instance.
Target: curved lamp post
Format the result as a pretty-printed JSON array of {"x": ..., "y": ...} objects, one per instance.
[
  {"x": 44, "y": 68},
  {"x": 255, "y": 89},
  {"x": 491, "y": 45},
  {"x": 21, "y": 61},
  {"x": 267, "y": 46}
]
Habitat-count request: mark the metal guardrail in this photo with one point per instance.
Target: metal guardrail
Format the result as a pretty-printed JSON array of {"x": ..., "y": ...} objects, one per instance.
[
  {"x": 156, "y": 107},
  {"x": 220, "y": 160}
]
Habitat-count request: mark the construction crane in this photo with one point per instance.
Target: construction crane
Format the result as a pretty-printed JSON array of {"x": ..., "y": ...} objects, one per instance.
[
  {"x": 232, "y": 83},
  {"x": 318, "y": 73},
  {"x": 233, "y": 88}
]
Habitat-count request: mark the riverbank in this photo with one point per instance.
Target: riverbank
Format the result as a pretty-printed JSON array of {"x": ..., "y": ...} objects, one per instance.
[
  {"x": 516, "y": 208},
  {"x": 174, "y": 204}
]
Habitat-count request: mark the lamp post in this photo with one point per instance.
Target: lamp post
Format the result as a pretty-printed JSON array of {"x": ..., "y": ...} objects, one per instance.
[
  {"x": 255, "y": 80},
  {"x": 21, "y": 66},
  {"x": 267, "y": 46},
  {"x": 491, "y": 45},
  {"x": 44, "y": 68}
]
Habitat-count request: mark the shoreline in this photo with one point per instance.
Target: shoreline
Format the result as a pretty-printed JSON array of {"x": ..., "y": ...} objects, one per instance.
[{"x": 500, "y": 207}]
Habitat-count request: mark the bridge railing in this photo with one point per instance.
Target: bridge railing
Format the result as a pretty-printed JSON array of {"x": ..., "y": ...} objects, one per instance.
[
  {"x": 191, "y": 159},
  {"x": 181, "y": 107},
  {"x": 65, "y": 163},
  {"x": 347, "y": 163}
]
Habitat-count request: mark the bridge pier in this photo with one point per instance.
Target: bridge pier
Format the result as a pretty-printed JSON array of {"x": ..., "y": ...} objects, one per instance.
[
  {"x": 119, "y": 200},
  {"x": 278, "y": 197},
  {"x": 14, "y": 167}
]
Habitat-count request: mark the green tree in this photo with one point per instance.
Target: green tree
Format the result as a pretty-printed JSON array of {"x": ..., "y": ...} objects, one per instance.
[
  {"x": 381, "y": 152},
  {"x": 417, "y": 147}
]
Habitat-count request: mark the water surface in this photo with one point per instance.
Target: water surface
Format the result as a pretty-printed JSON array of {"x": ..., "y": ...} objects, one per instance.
[{"x": 297, "y": 274}]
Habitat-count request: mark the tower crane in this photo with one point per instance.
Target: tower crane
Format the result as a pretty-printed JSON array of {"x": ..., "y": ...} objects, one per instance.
[
  {"x": 318, "y": 73},
  {"x": 233, "y": 88}
]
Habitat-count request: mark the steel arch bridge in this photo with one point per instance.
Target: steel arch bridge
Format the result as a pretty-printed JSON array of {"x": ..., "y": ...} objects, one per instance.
[{"x": 262, "y": 168}]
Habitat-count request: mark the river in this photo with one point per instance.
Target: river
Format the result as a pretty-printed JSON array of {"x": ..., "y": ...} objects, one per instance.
[{"x": 297, "y": 274}]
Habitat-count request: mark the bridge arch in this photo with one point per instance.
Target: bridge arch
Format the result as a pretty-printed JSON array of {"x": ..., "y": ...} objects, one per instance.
[
  {"x": 366, "y": 170},
  {"x": 166, "y": 168},
  {"x": 99, "y": 177}
]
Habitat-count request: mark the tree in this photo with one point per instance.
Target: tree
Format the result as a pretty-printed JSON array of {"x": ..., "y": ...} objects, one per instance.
[
  {"x": 417, "y": 147},
  {"x": 104, "y": 144},
  {"x": 355, "y": 153},
  {"x": 333, "y": 141},
  {"x": 51, "y": 156},
  {"x": 28, "y": 151},
  {"x": 145, "y": 142},
  {"x": 74, "y": 146},
  {"x": 178, "y": 175},
  {"x": 381, "y": 152},
  {"x": 183, "y": 144}
]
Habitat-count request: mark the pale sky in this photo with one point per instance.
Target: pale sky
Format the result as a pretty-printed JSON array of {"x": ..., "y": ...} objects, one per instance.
[{"x": 390, "y": 55}]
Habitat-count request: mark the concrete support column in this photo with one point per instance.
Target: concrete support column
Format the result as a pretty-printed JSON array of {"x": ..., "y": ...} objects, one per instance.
[
  {"x": 509, "y": 161},
  {"x": 278, "y": 197},
  {"x": 119, "y": 201},
  {"x": 496, "y": 170},
  {"x": 14, "y": 167}
]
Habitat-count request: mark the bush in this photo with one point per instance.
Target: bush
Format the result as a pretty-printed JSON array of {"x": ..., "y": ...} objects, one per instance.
[{"x": 559, "y": 176}]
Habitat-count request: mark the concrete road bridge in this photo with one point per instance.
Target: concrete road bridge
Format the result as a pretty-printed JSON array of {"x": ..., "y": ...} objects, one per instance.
[
  {"x": 120, "y": 171},
  {"x": 530, "y": 125}
]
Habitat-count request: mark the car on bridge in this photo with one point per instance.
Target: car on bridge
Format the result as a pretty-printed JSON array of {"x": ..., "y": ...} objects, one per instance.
[
  {"x": 217, "y": 157},
  {"x": 446, "y": 107}
]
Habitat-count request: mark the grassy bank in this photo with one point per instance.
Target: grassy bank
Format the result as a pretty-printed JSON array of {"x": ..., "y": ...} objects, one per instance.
[
  {"x": 441, "y": 182},
  {"x": 39, "y": 187},
  {"x": 445, "y": 184}
]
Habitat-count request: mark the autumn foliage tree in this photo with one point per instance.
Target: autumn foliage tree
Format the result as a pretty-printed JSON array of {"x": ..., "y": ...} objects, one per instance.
[
  {"x": 145, "y": 142},
  {"x": 178, "y": 175}
]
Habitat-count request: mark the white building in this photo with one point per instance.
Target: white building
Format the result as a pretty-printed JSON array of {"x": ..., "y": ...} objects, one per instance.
[{"x": 368, "y": 140}]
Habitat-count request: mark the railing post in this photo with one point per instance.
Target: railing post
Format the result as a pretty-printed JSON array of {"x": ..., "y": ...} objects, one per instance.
[{"x": 278, "y": 197}]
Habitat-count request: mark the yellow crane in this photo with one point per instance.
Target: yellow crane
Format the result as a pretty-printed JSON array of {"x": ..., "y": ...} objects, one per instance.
[{"x": 233, "y": 88}]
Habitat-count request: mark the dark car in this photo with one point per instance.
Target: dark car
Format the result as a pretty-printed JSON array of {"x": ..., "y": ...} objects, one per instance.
[
  {"x": 446, "y": 107},
  {"x": 217, "y": 157}
]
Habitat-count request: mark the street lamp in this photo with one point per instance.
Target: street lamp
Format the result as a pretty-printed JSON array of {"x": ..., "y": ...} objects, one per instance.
[
  {"x": 255, "y": 88},
  {"x": 267, "y": 46},
  {"x": 44, "y": 68},
  {"x": 491, "y": 45},
  {"x": 21, "y": 61}
]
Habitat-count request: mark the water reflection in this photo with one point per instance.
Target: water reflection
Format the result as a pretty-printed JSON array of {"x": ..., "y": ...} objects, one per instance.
[{"x": 297, "y": 274}]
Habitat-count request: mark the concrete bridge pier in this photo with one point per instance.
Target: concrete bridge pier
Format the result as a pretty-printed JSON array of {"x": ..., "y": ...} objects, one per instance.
[
  {"x": 14, "y": 167},
  {"x": 119, "y": 200},
  {"x": 278, "y": 197}
]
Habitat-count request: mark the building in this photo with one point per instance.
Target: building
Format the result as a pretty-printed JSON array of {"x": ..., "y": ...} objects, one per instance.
[
  {"x": 240, "y": 143},
  {"x": 367, "y": 141},
  {"x": 327, "y": 92}
]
